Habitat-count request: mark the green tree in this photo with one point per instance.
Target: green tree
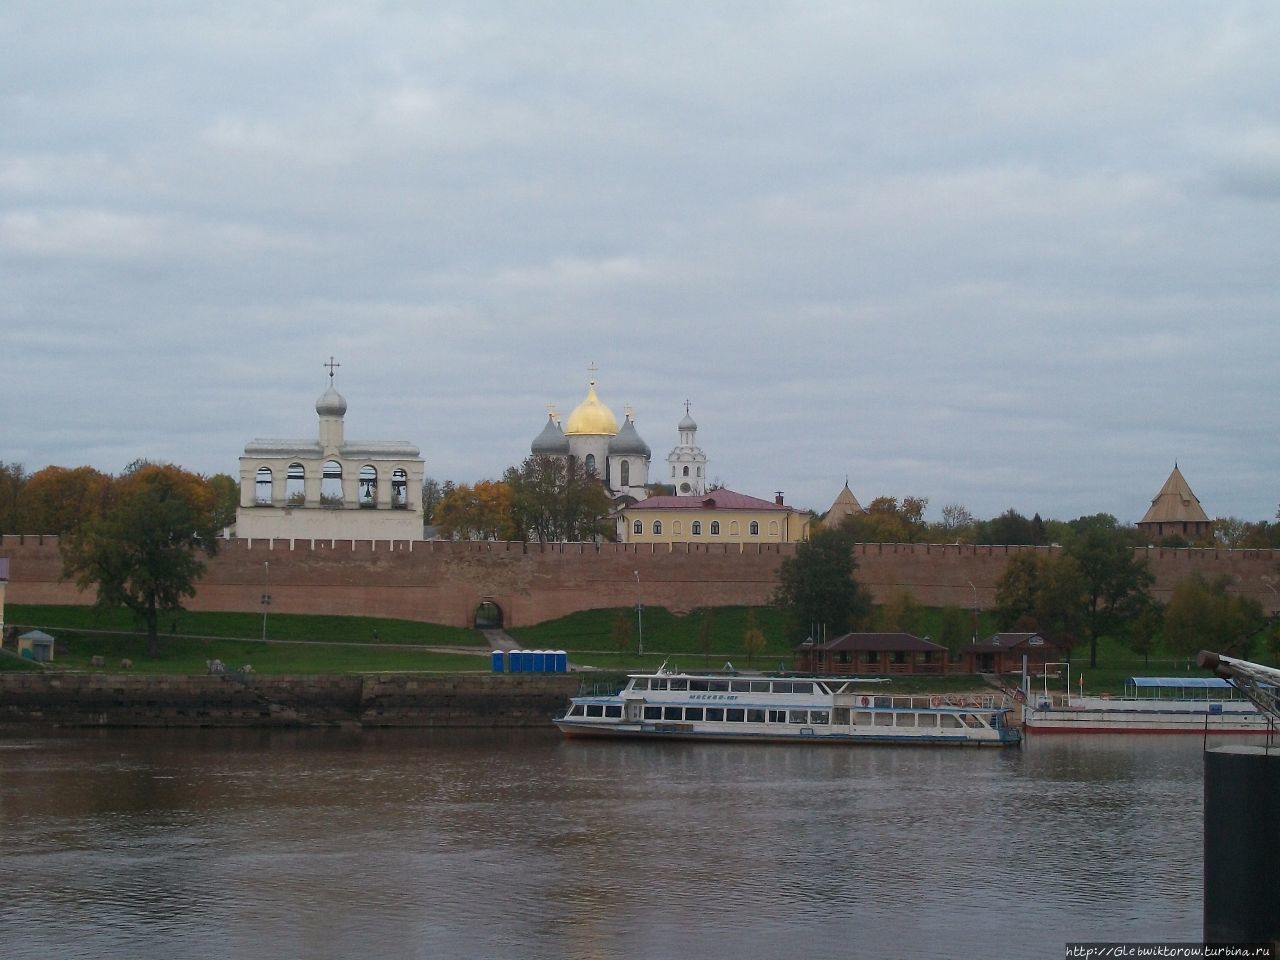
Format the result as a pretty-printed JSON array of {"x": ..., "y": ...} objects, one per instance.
[
  {"x": 13, "y": 477},
  {"x": 621, "y": 632},
  {"x": 1043, "y": 593},
  {"x": 432, "y": 493},
  {"x": 1204, "y": 614},
  {"x": 956, "y": 631},
  {"x": 226, "y": 499},
  {"x": 143, "y": 551},
  {"x": 1117, "y": 584},
  {"x": 887, "y": 521},
  {"x": 902, "y": 613},
  {"x": 706, "y": 630},
  {"x": 1145, "y": 629},
  {"x": 753, "y": 639},
  {"x": 554, "y": 501},
  {"x": 817, "y": 587}
]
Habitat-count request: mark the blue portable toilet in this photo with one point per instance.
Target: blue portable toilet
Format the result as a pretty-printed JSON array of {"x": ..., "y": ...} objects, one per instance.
[
  {"x": 526, "y": 661},
  {"x": 496, "y": 660},
  {"x": 561, "y": 662},
  {"x": 539, "y": 661},
  {"x": 514, "y": 662}
]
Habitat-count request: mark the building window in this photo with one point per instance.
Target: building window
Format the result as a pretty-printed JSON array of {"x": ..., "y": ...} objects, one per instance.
[
  {"x": 873, "y": 656},
  {"x": 755, "y": 528},
  {"x": 399, "y": 489},
  {"x": 295, "y": 488},
  {"x": 715, "y": 528},
  {"x": 686, "y": 471},
  {"x": 331, "y": 493},
  {"x": 699, "y": 471},
  {"x": 657, "y": 528},
  {"x": 638, "y": 527},
  {"x": 624, "y": 473},
  {"x": 262, "y": 486},
  {"x": 590, "y": 463},
  {"x": 697, "y": 528},
  {"x": 368, "y": 486}
]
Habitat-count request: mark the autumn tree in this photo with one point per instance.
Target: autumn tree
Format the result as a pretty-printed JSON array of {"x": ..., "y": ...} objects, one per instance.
[
  {"x": 887, "y": 521},
  {"x": 479, "y": 512},
  {"x": 1204, "y": 614},
  {"x": 817, "y": 587},
  {"x": 753, "y": 638},
  {"x": 59, "y": 499},
  {"x": 142, "y": 552},
  {"x": 1013, "y": 528},
  {"x": 956, "y": 526}
]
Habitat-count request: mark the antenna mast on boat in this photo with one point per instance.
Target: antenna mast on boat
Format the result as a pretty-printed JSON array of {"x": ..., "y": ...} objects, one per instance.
[{"x": 1260, "y": 684}]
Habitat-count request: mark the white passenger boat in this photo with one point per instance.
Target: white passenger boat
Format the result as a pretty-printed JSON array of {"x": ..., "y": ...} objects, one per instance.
[
  {"x": 1149, "y": 705},
  {"x": 784, "y": 709}
]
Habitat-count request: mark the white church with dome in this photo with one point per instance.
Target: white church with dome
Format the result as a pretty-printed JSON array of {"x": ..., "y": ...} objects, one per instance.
[
  {"x": 617, "y": 454},
  {"x": 330, "y": 488}
]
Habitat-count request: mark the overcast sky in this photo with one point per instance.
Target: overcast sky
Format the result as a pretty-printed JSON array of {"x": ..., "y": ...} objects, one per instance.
[{"x": 998, "y": 254}]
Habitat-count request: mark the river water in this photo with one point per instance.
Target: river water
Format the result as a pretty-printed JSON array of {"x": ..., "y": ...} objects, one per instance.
[{"x": 405, "y": 843}]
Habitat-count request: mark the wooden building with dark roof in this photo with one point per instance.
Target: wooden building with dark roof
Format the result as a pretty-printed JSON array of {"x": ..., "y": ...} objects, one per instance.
[{"x": 873, "y": 653}]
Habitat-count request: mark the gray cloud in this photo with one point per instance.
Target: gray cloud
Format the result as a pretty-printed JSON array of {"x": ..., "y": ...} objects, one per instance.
[{"x": 1004, "y": 255}]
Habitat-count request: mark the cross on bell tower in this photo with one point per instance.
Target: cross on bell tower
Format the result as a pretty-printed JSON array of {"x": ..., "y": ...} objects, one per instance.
[{"x": 332, "y": 365}]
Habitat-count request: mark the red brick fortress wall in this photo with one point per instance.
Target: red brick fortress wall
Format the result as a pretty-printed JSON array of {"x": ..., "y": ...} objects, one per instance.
[{"x": 444, "y": 582}]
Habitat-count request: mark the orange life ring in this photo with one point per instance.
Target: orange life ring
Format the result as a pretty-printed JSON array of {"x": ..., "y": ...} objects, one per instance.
[
  {"x": 935, "y": 701},
  {"x": 865, "y": 701}
]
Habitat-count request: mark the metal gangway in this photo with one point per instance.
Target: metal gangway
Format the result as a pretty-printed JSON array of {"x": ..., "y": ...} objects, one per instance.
[{"x": 1260, "y": 684}]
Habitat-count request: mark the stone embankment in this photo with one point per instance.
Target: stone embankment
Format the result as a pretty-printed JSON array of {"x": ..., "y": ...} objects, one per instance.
[{"x": 233, "y": 700}]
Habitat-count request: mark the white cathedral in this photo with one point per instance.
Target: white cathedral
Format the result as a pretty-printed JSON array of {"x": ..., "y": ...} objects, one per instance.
[
  {"x": 619, "y": 457},
  {"x": 330, "y": 487}
]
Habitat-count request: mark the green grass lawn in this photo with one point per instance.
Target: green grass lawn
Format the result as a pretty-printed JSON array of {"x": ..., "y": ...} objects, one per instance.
[{"x": 280, "y": 626}]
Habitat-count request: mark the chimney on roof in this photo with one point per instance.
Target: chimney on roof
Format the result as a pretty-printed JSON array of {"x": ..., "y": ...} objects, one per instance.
[{"x": 777, "y": 497}]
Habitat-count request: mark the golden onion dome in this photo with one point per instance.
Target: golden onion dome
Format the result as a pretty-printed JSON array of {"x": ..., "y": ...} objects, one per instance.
[{"x": 592, "y": 418}]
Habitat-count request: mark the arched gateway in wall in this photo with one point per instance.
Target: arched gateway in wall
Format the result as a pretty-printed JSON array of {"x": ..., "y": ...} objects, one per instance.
[{"x": 488, "y": 616}]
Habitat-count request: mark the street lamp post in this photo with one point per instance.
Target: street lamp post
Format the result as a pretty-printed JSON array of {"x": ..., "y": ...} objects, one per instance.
[
  {"x": 266, "y": 597},
  {"x": 975, "y": 610},
  {"x": 639, "y": 614}
]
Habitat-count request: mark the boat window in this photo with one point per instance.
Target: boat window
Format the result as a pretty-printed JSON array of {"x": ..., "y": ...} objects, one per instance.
[
  {"x": 906, "y": 720},
  {"x": 657, "y": 684},
  {"x": 740, "y": 686},
  {"x": 735, "y": 715},
  {"x": 782, "y": 686},
  {"x": 641, "y": 683},
  {"x": 927, "y": 720},
  {"x": 672, "y": 713},
  {"x": 595, "y": 710},
  {"x": 802, "y": 688},
  {"x": 576, "y": 710},
  {"x": 718, "y": 685},
  {"x": 819, "y": 716},
  {"x": 693, "y": 713},
  {"x": 614, "y": 710},
  {"x": 823, "y": 688},
  {"x": 970, "y": 720},
  {"x": 653, "y": 713},
  {"x": 697, "y": 685},
  {"x": 883, "y": 701},
  {"x": 798, "y": 716},
  {"x": 884, "y": 719},
  {"x": 679, "y": 684},
  {"x": 715, "y": 714},
  {"x": 777, "y": 716},
  {"x": 759, "y": 686},
  {"x": 842, "y": 715},
  {"x": 755, "y": 716},
  {"x": 948, "y": 720},
  {"x": 862, "y": 718}
]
